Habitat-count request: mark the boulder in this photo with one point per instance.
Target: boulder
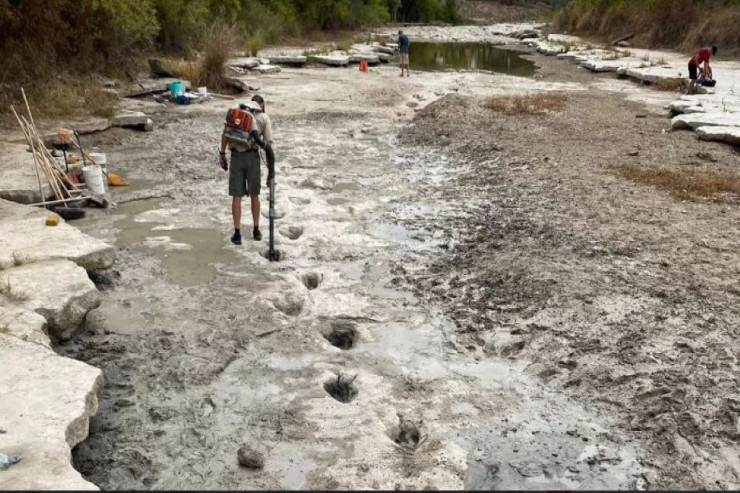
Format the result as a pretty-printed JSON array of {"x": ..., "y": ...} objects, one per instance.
[
  {"x": 291, "y": 60},
  {"x": 332, "y": 60},
  {"x": 160, "y": 68},
  {"x": 46, "y": 404},
  {"x": 729, "y": 135},
  {"x": 59, "y": 290},
  {"x": 132, "y": 119},
  {"x": 25, "y": 238}
]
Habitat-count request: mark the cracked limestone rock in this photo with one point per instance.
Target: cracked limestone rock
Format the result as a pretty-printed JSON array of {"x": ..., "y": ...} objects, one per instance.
[
  {"x": 24, "y": 239},
  {"x": 46, "y": 404},
  {"x": 59, "y": 290}
]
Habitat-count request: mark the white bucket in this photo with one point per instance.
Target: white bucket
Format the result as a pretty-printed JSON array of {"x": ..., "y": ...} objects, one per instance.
[
  {"x": 98, "y": 158},
  {"x": 203, "y": 92},
  {"x": 94, "y": 179}
]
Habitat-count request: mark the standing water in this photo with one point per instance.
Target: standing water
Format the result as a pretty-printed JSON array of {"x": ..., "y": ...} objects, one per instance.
[{"x": 468, "y": 56}]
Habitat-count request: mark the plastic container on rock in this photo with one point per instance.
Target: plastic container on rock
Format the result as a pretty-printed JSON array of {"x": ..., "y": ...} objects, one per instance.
[{"x": 94, "y": 179}]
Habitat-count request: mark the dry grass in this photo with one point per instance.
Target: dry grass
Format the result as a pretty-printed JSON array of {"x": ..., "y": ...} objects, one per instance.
[
  {"x": 64, "y": 97},
  {"x": 689, "y": 184},
  {"x": 219, "y": 42},
  {"x": 21, "y": 259},
  {"x": 184, "y": 69},
  {"x": 676, "y": 84},
  {"x": 11, "y": 293},
  {"x": 676, "y": 24},
  {"x": 531, "y": 104}
]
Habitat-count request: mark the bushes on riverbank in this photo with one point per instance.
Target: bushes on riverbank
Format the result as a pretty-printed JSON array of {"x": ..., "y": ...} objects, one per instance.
[
  {"x": 38, "y": 37},
  {"x": 676, "y": 24}
]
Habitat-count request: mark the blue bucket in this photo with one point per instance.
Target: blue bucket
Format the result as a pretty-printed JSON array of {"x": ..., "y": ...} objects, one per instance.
[{"x": 176, "y": 88}]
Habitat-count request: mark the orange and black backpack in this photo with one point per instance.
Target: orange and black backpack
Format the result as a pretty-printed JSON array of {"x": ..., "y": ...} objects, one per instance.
[{"x": 239, "y": 124}]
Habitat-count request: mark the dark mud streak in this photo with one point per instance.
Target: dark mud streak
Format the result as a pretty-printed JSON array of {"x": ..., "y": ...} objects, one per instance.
[{"x": 551, "y": 231}]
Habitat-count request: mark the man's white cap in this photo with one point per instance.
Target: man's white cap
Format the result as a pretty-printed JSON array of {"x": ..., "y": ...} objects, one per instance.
[{"x": 253, "y": 106}]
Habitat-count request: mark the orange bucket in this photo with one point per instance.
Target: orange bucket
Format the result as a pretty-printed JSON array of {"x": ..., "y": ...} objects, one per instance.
[{"x": 363, "y": 65}]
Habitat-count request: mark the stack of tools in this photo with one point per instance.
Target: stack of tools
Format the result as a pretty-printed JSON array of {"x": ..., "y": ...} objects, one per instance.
[
  {"x": 63, "y": 182},
  {"x": 63, "y": 189}
]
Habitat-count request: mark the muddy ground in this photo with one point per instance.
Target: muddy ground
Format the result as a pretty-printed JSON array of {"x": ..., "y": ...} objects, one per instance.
[{"x": 519, "y": 315}]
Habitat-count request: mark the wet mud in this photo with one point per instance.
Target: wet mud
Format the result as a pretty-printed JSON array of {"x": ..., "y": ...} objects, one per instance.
[{"x": 474, "y": 313}]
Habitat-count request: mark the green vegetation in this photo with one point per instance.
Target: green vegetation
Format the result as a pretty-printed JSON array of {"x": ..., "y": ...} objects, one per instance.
[
  {"x": 676, "y": 24},
  {"x": 39, "y": 37},
  {"x": 52, "y": 47}
]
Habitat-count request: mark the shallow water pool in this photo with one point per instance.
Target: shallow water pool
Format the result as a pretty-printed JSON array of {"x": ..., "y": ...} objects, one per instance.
[{"x": 468, "y": 56}]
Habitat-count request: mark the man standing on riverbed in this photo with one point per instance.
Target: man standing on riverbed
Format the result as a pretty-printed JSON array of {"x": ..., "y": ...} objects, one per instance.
[
  {"x": 702, "y": 56},
  {"x": 403, "y": 48},
  {"x": 244, "y": 172}
]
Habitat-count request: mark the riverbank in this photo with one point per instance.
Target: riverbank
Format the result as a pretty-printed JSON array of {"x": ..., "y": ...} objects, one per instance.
[{"x": 488, "y": 284}]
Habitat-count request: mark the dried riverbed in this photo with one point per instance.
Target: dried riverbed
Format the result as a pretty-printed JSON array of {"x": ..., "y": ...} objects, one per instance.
[{"x": 450, "y": 281}]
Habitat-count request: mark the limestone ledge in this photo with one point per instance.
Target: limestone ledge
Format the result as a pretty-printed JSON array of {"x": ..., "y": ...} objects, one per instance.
[{"x": 46, "y": 400}]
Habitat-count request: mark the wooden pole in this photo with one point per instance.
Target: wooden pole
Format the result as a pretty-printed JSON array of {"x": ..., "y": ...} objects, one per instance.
[
  {"x": 38, "y": 139},
  {"x": 44, "y": 165},
  {"x": 35, "y": 161}
]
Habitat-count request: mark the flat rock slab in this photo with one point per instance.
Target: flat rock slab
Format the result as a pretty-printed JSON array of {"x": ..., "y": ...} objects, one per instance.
[
  {"x": 266, "y": 69},
  {"x": 239, "y": 84},
  {"x": 144, "y": 106},
  {"x": 46, "y": 404},
  {"x": 681, "y": 107},
  {"x": 243, "y": 62},
  {"x": 371, "y": 58},
  {"x": 59, "y": 290},
  {"x": 25, "y": 325},
  {"x": 332, "y": 60},
  {"x": 600, "y": 65},
  {"x": 388, "y": 50},
  {"x": 133, "y": 119},
  {"x": 52, "y": 139},
  {"x": 546, "y": 48},
  {"x": 729, "y": 135},
  {"x": 696, "y": 120},
  {"x": 25, "y": 238},
  {"x": 294, "y": 60},
  {"x": 18, "y": 181},
  {"x": 651, "y": 75}
]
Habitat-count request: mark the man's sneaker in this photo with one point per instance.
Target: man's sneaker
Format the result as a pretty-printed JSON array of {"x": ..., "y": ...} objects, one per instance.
[
  {"x": 236, "y": 238},
  {"x": 256, "y": 234}
]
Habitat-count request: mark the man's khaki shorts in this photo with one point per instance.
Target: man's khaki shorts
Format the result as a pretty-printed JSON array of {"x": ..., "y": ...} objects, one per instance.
[
  {"x": 244, "y": 173},
  {"x": 404, "y": 58}
]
